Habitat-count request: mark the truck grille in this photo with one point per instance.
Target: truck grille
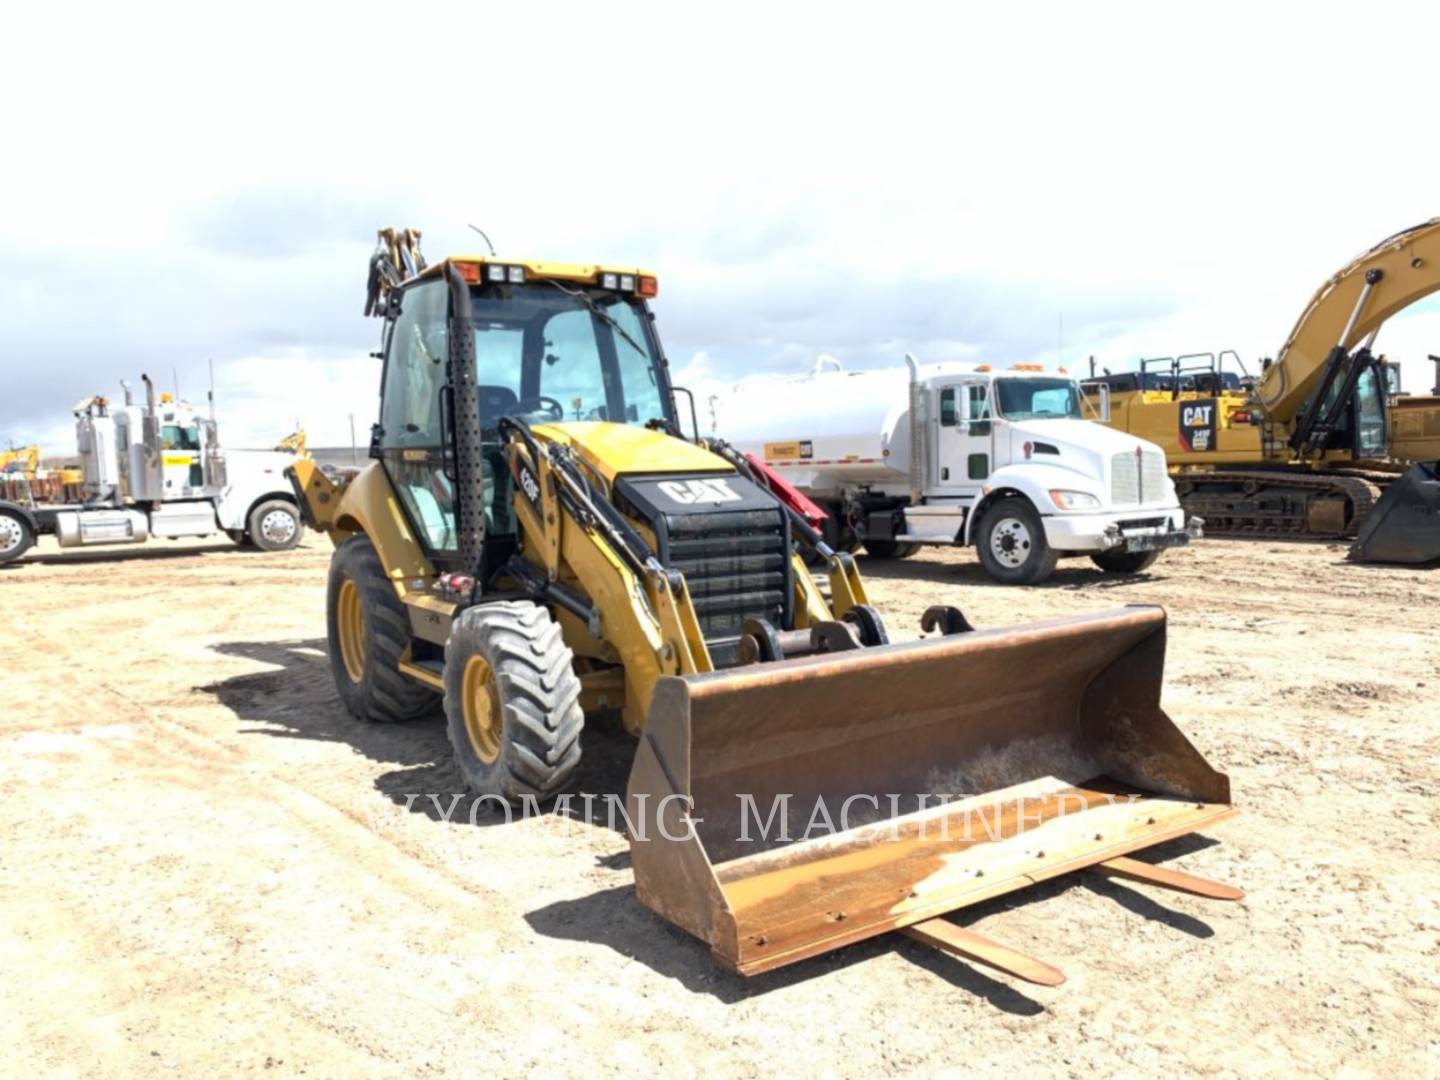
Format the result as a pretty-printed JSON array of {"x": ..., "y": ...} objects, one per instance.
[
  {"x": 1137, "y": 480},
  {"x": 736, "y": 568}
]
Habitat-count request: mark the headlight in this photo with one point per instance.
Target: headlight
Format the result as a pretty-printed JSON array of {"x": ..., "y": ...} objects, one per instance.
[{"x": 1074, "y": 500}]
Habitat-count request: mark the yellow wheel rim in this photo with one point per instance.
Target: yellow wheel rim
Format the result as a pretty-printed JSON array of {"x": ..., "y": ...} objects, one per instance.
[
  {"x": 350, "y": 628},
  {"x": 481, "y": 707}
]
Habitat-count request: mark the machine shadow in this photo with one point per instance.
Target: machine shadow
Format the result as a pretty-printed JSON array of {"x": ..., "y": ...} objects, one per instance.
[
  {"x": 613, "y": 918},
  {"x": 1069, "y": 574},
  {"x": 120, "y": 553},
  {"x": 297, "y": 700}
]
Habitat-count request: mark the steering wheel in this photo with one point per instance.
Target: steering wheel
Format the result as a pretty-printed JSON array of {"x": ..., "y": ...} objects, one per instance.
[{"x": 534, "y": 404}]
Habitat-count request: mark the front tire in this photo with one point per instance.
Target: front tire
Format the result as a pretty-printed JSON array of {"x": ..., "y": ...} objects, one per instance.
[
  {"x": 274, "y": 525},
  {"x": 368, "y": 633},
  {"x": 890, "y": 549},
  {"x": 512, "y": 701},
  {"x": 16, "y": 536},
  {"x": 1125, "y": 562},
  {"x": 1012, "y": 544}
]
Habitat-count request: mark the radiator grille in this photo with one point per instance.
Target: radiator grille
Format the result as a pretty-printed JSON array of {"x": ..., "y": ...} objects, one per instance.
[
  {"x": 735, "y": 567},
  {"x": 1137, "y": 480}
]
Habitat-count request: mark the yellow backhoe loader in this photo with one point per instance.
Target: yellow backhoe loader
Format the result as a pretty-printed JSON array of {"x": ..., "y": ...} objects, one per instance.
[
  {"x": 1309, "y": 446},
  {"x": 536, "y": 541}
]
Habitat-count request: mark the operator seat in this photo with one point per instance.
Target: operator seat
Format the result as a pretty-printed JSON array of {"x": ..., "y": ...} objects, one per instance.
[{"x": 495, "y": 402}]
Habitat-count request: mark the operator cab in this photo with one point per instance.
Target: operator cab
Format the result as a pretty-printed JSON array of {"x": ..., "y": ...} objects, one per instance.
[{"x": 553, "y": 344}]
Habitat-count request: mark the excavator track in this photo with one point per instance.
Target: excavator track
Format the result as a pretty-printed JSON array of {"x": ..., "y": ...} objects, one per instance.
[{"x": 1279, "y": 503}]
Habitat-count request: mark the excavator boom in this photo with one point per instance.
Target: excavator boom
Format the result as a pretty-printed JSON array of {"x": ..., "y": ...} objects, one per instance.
[{"x": 1348, "y": 311}]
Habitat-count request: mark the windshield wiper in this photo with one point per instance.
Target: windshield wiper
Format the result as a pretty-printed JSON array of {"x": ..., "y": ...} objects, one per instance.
[{"x": 602, "y": 315}]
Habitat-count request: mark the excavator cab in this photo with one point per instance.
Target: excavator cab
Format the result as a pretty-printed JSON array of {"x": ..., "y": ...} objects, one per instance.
[{"x": 535, "y": 543}]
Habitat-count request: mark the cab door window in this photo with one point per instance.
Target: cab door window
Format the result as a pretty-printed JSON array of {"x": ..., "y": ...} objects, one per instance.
[
  {"x": 410, "y": 427},
  {"x": 415, "y": 369}
]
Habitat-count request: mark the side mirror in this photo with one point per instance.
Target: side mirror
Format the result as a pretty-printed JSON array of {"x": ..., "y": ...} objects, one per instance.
[{"x": 1098, "y": 404}]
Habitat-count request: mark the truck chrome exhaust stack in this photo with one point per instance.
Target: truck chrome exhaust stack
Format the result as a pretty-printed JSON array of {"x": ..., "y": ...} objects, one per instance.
[{"x": 916, "y": 431}]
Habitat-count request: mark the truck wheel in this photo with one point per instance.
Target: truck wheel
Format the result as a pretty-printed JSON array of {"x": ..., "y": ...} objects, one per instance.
[
  {"x": 368, "y": 632},
  {"x": 1125, "y": 562},
  {"x": 15, "y": 536},
  {"x": 274, "y": 525},
  {"x": 1012, "y": 545},
  {"x": 512, "y": 701},
  {"x": 890, "y": 549}
]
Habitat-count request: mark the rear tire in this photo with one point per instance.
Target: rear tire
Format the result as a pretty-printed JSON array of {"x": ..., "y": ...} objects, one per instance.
[
  {"x": 1125, "y": 562},
  {"x": 274, "y": 525},
  {"x": 890, "y": 549},
  {"x": 16, "y": 536},
  {"x": 368, "y": 633},
  {"x": 1012, "y": 546},
  {"x": 512, "y": 701}
]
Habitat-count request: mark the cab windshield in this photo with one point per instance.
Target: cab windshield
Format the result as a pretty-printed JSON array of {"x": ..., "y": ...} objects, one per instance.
[
  {"x": 1037, "y": 399},
  {"x": 549, "y": 353}
]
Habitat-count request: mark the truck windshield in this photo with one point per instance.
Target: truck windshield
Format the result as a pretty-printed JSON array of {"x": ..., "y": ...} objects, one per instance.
[
  {"x": 540, "y": 350},
  {"x": 1036, "y": 399}
]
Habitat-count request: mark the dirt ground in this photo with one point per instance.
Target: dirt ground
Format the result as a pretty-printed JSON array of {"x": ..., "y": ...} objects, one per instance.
[{"x": 208, "y": 868}]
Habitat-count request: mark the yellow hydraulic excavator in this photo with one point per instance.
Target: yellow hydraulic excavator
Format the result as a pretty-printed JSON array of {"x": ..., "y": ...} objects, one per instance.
[
  {"x": 23, "y": 461},
  {"x": 537, "y": 540},
  {"x": 295, "y": 443},
  {"x": 1310, "y": 445}
]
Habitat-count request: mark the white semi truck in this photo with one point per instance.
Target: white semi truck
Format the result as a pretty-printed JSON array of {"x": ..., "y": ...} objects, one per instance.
[
  {"x": 961, "y": 454},
  {"x": 158, "y": 470}
]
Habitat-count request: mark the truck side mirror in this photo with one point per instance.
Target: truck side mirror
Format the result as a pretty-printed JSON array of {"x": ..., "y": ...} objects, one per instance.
[{"x": 1101, "y": 407}]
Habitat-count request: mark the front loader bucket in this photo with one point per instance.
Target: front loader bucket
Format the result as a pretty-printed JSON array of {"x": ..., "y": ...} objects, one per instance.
[
  {"x": 840, "y": 796},
  {"x": 1404, "y": 527}
]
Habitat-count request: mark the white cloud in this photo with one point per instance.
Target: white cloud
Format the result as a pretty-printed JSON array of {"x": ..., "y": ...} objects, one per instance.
[{"x": 951, "y": 180}]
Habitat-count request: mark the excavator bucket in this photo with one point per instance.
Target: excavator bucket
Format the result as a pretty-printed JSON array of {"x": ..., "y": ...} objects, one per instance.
[
  {"x": 1404, "y": 526},
  {"x": 782, "y": 810}
]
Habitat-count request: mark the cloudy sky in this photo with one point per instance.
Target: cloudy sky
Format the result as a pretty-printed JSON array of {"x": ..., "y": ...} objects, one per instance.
[{"x": 1013, "y": 183}]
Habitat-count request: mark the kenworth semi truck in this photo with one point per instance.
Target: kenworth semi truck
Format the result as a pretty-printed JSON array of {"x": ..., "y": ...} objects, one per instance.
[
  {"x": 1001, "y": 458},
  {"x": 157, "y": 470}
]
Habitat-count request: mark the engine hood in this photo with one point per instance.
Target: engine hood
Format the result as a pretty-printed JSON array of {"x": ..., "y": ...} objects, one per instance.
[
  {"x": 626, "y": 449},
  {"x": 1084, "y": 448},
  {"x": 1078, "y": 435}
]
